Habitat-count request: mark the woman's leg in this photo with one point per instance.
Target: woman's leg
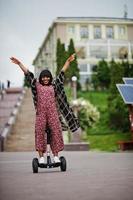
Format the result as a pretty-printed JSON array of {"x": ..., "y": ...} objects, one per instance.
[
  {"x": 40, "y": 135},
  {"x": 56, "y": 143},
  {"x": 40, "y": 154}
]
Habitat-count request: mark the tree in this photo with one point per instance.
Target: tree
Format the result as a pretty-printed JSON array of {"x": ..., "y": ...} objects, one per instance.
[
  {"x": 118, "y": 112},
  {"x": 58, "y": 56},
  {"x": 73, "y": 69},
  {"x": 61, "y": 55},
  {"x": 103, "y": 74},
  {"x": 94, "y": 77},
  {"x": 128, "y": 69},
  {"x": 116, "y": 75}
]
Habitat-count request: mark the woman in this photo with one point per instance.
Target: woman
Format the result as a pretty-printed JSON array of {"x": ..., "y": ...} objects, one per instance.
[{"x": 48, "y": 97}]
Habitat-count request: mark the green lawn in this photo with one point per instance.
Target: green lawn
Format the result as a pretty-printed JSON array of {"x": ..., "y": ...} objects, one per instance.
[
  {"x": 101, "y": 137},
  {"x": 99, "y": 99}
]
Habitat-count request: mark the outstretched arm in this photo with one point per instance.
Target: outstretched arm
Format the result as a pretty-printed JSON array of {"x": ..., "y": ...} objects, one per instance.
[
  {"x": 68, "y": 61},
  {"x": 17, "y": 62}
]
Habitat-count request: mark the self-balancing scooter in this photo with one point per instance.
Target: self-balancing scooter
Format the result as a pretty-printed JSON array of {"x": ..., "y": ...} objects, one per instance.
[{"x": 49, "y": 164}]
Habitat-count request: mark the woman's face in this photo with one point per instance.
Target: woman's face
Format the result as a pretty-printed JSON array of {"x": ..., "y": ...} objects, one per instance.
[{"x": 45, "y": 80}]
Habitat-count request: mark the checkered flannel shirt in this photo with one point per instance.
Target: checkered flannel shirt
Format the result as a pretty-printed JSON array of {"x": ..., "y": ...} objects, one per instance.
[{"x": 62, "y": 103}]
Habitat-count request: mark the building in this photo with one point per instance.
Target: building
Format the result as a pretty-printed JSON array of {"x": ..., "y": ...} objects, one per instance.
[{"x": 94, "y": 39}]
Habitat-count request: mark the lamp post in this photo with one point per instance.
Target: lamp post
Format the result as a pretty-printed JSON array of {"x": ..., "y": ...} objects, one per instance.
[
  {"x": 74, "y": 85},
  {"x": 75, "y": 137}
]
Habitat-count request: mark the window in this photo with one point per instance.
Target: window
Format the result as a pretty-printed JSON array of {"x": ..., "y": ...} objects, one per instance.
[
  {"x": 84, "y": 78},
  {"x": 84, "y": 32},
  {"x": 97, "y": 32},
  {"x": 98, "y": 51},
  {"x": 109, "y": 32},
  {"x": 122, "y": 32},
  {"x": 83, "y": 67},
  {"x": 71, "y": 29}
]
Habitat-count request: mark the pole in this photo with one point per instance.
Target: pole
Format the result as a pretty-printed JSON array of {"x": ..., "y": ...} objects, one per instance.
[{"x": 74, "y": 84}]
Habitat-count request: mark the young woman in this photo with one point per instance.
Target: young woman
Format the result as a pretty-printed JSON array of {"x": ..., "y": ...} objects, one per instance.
[{"x": 50, "y": 100}]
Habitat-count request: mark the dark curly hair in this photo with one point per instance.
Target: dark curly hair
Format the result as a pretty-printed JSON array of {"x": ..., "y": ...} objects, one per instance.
[{"x": 45, "y": 73}]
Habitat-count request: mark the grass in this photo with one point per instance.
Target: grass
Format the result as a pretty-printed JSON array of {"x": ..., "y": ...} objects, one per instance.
[
  {"x": 101, "y": 137},
  {"x": 99, "y": 99},
  {"x": 107, "y": 142}
]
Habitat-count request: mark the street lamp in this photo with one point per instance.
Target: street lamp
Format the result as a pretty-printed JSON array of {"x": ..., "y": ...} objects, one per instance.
[{"x": 74, "y": 85}]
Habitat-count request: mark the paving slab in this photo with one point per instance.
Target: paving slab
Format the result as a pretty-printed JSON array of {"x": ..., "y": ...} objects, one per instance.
[{"x": 89, "y": 176}]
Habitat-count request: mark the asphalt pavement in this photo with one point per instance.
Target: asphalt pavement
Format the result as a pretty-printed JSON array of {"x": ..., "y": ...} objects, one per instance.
[{"x": 89, "y": 176}]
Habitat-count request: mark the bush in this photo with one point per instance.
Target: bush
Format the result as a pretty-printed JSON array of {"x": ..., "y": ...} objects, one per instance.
[
  {"x": 118, "y": 114},
  {"x": 87, "y": 113}
]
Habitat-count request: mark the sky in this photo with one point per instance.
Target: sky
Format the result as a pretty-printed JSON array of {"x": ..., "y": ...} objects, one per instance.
[{"x": 24, "y": 25}]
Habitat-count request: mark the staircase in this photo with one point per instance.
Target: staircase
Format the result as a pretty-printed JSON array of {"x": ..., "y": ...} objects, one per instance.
[{"x": 22, "y": 135}]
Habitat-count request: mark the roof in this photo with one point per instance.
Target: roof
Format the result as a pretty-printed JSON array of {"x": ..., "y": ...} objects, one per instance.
[{"x": 93, "y": 19}]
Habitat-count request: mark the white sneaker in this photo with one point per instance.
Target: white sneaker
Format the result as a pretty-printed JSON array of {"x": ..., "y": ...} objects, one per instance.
[
  {"x": 41, "y": 160},
  {"x": 56, "y": 159}
]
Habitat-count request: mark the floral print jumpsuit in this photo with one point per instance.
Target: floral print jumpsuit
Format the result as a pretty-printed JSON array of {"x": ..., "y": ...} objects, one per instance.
[{"x": 47, "y": 115}]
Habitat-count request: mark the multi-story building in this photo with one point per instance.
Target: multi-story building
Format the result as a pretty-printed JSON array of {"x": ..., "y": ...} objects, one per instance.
[{"x": 94, "y": 39}]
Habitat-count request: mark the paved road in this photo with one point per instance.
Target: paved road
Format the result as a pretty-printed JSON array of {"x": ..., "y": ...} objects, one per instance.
[{"x": 89, "y": 176}]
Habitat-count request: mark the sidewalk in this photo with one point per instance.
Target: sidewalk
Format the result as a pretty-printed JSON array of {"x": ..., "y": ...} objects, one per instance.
[{"x": 89, "y": 176}]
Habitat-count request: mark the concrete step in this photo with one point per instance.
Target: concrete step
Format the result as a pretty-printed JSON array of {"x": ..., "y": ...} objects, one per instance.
[{"x": 22, "y": 134}]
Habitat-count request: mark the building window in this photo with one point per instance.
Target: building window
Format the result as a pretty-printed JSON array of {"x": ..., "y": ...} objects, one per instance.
[
  {"x": 84, "y": 78},
  {"x": 122, "y": 32},
  {"x": 84, "y": 33},
  {"x": 71, "y": 29},
  {"x": 109, "y": 32},
  {"x": 83, "y": 67},
  {"x": 97, "y": 32},
  {"x": 98, "y": 52}
]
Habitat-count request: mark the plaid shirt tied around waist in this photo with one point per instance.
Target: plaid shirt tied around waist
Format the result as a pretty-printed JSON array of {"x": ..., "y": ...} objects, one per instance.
[{"x": 61, "y": 99}]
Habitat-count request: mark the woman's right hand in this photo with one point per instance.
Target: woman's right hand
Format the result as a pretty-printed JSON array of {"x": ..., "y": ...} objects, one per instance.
[{"x": 15, "y": 60}]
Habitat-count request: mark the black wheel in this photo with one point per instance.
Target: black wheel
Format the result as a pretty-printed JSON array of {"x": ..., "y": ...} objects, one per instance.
[
  {"x": 35, "y": 165},
  {"x": 63, "y": 165}
]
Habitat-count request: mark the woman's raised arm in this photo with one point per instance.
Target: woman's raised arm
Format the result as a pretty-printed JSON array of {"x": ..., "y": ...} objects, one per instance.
[
  {"x": 68, "y": 61},
  {"x": 17, "y": 62}
]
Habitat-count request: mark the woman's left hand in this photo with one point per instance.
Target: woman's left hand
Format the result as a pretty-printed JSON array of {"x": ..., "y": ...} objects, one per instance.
[
  {"x": 68, "y": 61},
  {"x": 71, "y": 58}
]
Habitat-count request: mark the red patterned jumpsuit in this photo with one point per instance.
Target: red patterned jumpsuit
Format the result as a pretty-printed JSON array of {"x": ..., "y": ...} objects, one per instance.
[{"x": 47, "y": 114}]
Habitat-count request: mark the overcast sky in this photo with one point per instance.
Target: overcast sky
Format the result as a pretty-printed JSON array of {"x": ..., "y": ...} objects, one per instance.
[{"x": 24, "y": 25}]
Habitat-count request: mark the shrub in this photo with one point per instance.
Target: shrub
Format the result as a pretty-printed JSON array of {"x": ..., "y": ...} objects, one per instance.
[{"x": 87, "y": 113}]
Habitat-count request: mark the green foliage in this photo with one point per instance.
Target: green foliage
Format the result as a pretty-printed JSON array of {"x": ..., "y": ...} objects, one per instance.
[
  {"x": 87, "y": 113},
  {"x": 101, "y": 75},
  {"x": 118, "y": 115},
  {"x": 73, "y": 69},
  {"x": 97, "y": 98},
  {"x": 108, "y": 142},
  {"x": 61, "y": 56},
  {"x": 95, "y": 81},
  {"x": 116, "y": 75},
  {"x": 118, "y": 112},
  {"x": 101, "y": 136},
  {"x": 128, "y": 69}
]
